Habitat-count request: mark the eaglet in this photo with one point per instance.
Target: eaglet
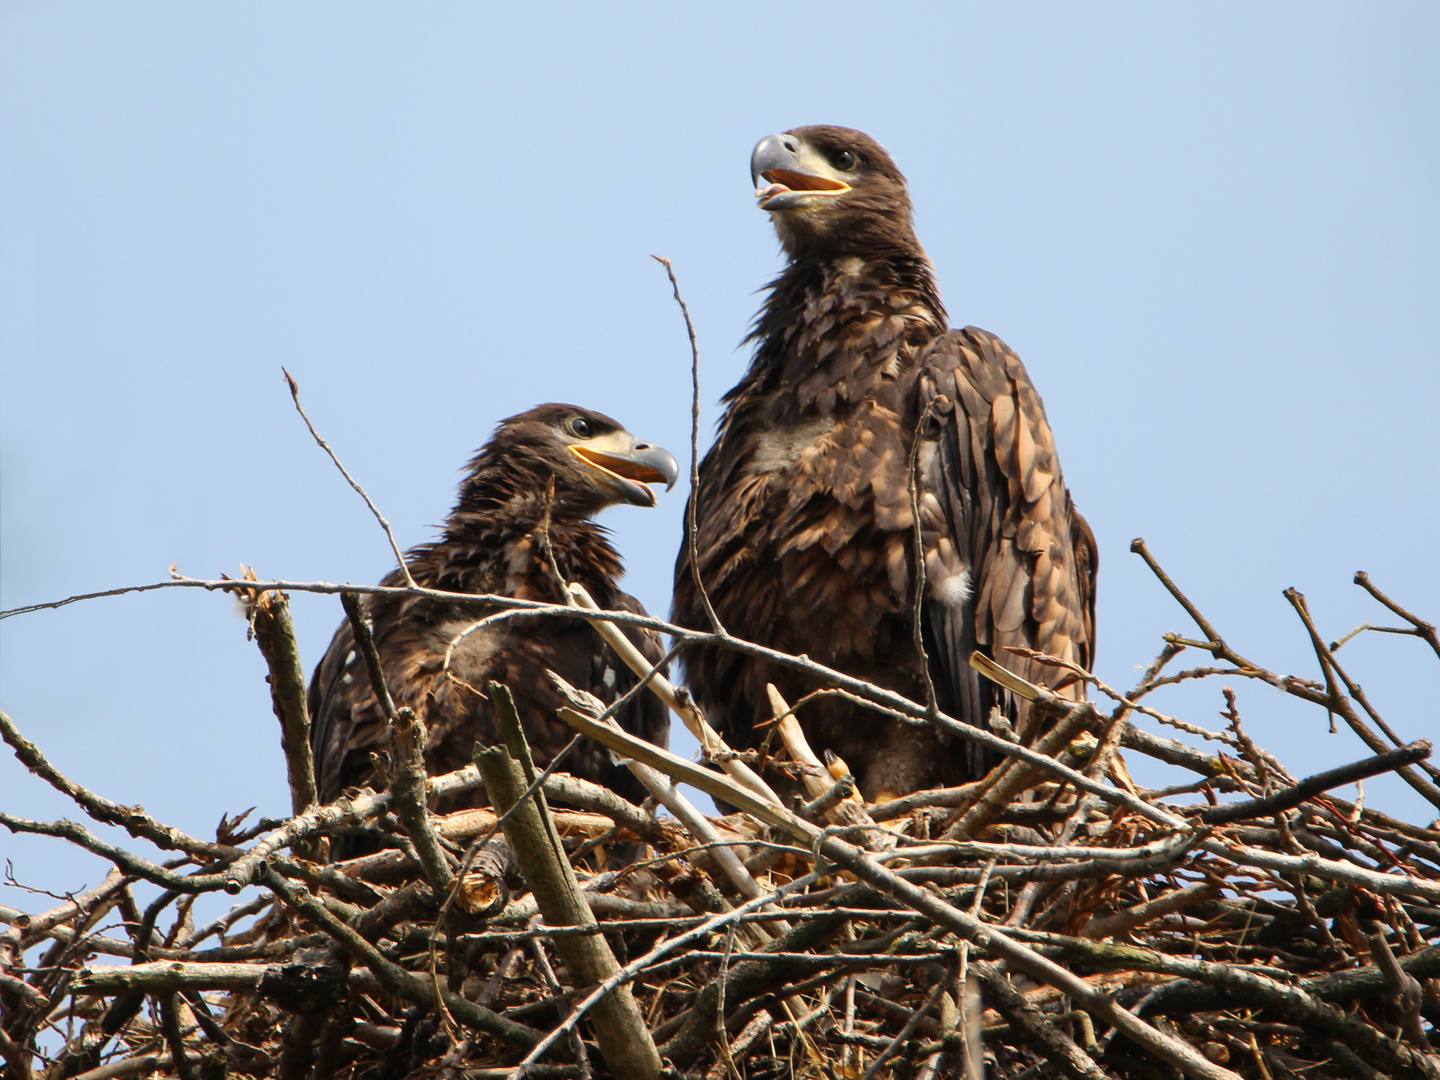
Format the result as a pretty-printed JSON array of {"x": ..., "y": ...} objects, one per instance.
[
  {"x": 805, "y": 533},
  {"x": 546, "y": 472}
]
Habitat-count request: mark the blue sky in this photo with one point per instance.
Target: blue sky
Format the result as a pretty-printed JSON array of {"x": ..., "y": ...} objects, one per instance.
[{"x": 1213, "y": 233}]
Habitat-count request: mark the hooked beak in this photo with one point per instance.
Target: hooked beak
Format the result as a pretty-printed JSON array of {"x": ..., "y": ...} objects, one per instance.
[
  {"x": 789, "y": 175},
  {"x": 626, "y": 465}
]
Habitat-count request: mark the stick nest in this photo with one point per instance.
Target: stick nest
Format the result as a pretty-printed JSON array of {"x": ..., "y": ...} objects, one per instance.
[{"x": 1052, "y": 919}]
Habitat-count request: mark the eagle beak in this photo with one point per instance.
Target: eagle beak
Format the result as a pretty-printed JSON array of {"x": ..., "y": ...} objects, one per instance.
[
  {"x": 789, "y": 175},
  {"x": 626, "y": 465}
]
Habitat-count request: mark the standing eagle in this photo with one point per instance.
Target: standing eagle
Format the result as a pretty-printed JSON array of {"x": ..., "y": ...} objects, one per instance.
[
  {"x": 558, "y": 461},
  {"x": 805, "y": 534}
]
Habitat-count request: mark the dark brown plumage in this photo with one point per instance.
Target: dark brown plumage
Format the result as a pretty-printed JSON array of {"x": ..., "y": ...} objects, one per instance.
[
  {"x": 491, "y": 543},
  {"x": 805, "y": 531}
]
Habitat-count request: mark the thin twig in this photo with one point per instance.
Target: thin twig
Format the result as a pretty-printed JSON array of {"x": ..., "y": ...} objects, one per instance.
[
  {"x": 665, "y": 948},
  {"x": 1424, "y": 630},
  {"x": 375, "y": 510},
  {"x": 133, "y": 819},
  {"x": 1336, "y": 702},
  {"x": 1391, "y": 760},
  {"x": 691, "y": 503},
  {"x": 906, "y": 1032},
  {"x": 1215, "y": 643}
]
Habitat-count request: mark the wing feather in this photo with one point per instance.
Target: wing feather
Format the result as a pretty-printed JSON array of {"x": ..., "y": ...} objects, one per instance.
[{"x": 1005, "y": 517}]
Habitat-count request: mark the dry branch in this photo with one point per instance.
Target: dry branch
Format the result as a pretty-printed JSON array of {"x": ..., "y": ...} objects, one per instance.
[
  {"x": 1113, "y": 932},
  {"x": 269, "y": 614},
  {"x": 1311, "y": 786},
  {"x": 621, "y": 1032}
]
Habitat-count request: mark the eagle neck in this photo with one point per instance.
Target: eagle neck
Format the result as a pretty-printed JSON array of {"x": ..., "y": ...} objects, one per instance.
[
  {"x": 833, "y": 328},
  {"x": 492, "y": 543}
]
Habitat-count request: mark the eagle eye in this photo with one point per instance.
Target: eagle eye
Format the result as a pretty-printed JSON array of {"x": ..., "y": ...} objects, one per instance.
[
  {"x": 581, "y": 427},
  {"x": 843, "y": 160}
]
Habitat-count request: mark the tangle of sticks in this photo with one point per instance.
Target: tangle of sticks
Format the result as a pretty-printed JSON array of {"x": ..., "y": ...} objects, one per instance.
[{"x": 1052, "y": 919}]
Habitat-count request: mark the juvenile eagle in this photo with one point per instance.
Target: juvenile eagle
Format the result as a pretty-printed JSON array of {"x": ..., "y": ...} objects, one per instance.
[
  {"x": 493, "y": 543},
  {"x": 805, "y": 533}
]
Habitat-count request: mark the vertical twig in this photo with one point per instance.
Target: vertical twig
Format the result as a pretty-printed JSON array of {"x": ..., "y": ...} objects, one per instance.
[
  {"x": 906, "y": 1032},
  {"x": 547, "y": 548},
  {"x": 269, "y": 611},
  {"x": 971, "y": 1024},
  {"x": 365, "y": 642},
  {"x": 1405, "y": 986},
  {"x": 407, "y": 763},
  {"x": 542, "y": 961},
  {"x": 408, "y": 785},
  {"x": 170, "y": 1026},
  {"x": 847, "y": 1055},
  {"x": 690, "y": 505},
  {"x": 721, "y": 1040}
]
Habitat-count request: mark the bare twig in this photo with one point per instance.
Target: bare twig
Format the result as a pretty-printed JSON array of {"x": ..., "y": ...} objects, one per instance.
[
  {"x": 1389, "y": 761},
  {"x": 624, "y": 1039},
  {"x": 691, "y": 504},
  {"x": 408, "y": 785},
  {"x": 133, "y": 819},
  {"x": 1424, "y": 630},
  {"x": 1408, "y": 994},
  {"x": 1214, "y": 644},
  {"x": 365, "y": 642},
  {"x": 1336, "y": 702},
  {"x": 905, "y": 1033},
  {"x": 269, "y": 611},
  {"x": 375, "y": 510}
]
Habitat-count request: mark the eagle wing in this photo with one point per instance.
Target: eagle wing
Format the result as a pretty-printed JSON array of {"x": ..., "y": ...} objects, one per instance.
[
  {"x": 344, "y": 722},
  {"x": 347, "y": 725},
  {"x": 1009, "y": 561}
]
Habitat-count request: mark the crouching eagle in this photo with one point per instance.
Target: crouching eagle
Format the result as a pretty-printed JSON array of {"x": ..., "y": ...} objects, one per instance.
[
  {"x": 805, "y": 535},
  {"x": 546, "y": 471}
]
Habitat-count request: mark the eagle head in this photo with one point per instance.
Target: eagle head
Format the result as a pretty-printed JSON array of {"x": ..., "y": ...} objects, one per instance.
[
  {"x": 593, "y": 461},
  {"x": 832, "y": 191}
]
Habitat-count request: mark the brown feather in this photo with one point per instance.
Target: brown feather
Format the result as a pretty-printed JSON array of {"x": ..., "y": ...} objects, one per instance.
[
  {"x": 491, "y": 543},
  {"x": 804, "y": 521}
]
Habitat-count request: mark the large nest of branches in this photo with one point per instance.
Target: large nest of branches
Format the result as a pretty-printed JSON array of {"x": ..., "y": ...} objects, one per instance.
[{"x": 1052, "y": 919}]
